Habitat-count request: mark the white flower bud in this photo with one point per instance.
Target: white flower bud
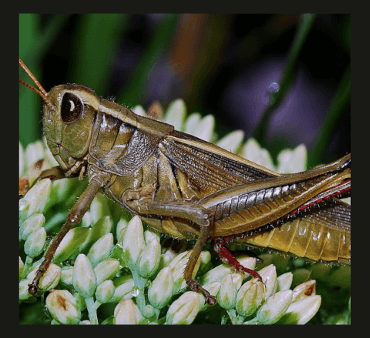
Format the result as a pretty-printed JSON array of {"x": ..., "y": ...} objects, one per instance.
[
  {"x": 105, "y": 291},
  {"x": 21, "y": 267},
  {"x": 231, "y": 141},
  {"x": 106, "y": 270},
  {"x": 255, "y": 153},
  {"x": 192, "y": 122},
  {"x": 151, "y": 235},
  {"x": 24, "y": 206},
  {"x": 34, "y": 152},
  {"x": 301, "y": 311},
  {"x": 32, "y": 224},
  {"x": 84, "y": 279},
  {"x": 284, "y": 281},
  {"x": 124, "y": 287},
  {"x": 99, "y": 209},
  {"x": 38, "y": 196},
  {"x": 177, "y": 267},
  {"x": 49, "y": 280},
  {"x": 80, "y": 301},
  {"x": 120, "y": 229},
  {"x": 227, "y": 294},
  {"x": 63, "y": 308},
  {"x": 35, "y": 242},
  {"x": 184, "y": 309},
  {"x": 133, "y": 242},
  {"x": 292, "y": 161},
  {"x": 102, "y": 227},
  {"x": 275, "y": 307},
  {"x": 303, "y": 290},
  {"x": 204, "y": 130},
  {"x": 127, "y": 312},
  {"x": 101, "y": 249},
  {"x": 249, "y": 297},
  {"x": 269, "y": 277},
  {"x": 70, "y": 244},
  {"x": 148, "y": 261},
  {"x": 237, "y": 280},
  {"x": 161, "y": 289},
  {"x": 66, "y": 276},
  {"x": 23, "y": 290},
  {"x": 175, "y": 114}
]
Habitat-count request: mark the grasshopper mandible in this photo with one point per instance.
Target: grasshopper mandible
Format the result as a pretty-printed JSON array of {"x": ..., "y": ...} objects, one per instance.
[{"x": 188, "y": 188}]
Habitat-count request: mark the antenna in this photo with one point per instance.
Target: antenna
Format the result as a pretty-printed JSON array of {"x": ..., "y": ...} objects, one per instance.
[{"x": 41, "y": 91}]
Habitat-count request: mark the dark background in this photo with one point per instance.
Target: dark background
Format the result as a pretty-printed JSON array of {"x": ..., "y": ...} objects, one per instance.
[{"x": 225, "y": 65}]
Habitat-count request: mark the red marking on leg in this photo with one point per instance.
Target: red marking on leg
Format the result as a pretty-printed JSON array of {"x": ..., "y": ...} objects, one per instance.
[
  {"x": 228, "y": 238},
  {"x": 227, "y": 257},
  {"x": 324, "y": 198}
]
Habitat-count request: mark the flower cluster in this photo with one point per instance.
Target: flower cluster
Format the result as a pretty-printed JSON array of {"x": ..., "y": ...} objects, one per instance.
[{"x": 134, "y": 275}]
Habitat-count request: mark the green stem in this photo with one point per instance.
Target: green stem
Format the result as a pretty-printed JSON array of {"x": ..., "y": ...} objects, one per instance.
[
  {"x": 27, "y": 265},
  {"x": 91, "y": 309},
  {"x": 140, "y": 283},
  {"x": 235, "y": 319}
]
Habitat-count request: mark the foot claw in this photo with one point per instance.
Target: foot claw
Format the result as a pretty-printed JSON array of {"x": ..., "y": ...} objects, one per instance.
[
  {"x": 32, "y": 289},
  {"x": 211, "y": 300}
]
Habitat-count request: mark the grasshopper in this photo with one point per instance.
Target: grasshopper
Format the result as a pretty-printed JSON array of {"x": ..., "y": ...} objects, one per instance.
[{"x": 188, "y": 188}]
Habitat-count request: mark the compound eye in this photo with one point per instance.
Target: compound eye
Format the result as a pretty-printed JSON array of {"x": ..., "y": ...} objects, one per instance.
[{"x": 72, "y": 108}]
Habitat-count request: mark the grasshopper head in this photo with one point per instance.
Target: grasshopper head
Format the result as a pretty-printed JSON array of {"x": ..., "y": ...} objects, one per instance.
[
  {"x": 69, "y": 113},
  {"x": 68, "y": 118}
]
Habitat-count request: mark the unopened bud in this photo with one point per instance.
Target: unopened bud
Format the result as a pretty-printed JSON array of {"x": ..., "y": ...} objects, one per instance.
[
  {"x": 227, "y": 294},
  {"x": 23, "y": 290},
  {"x": 269, "y": 277},
  {"x": 38, "y": 196},
  {"x": 148, "y": 261},
  {"x": 301, "y": 311},
  {"x": 32, "y": 224},
  {"x": 249, "y": 297},
  {"x": 21, "y": 266},
  {"x": 49, "y": 280},
  {"x": 35, "y": 243},
  {"x": 100, "y": 228},
  {"x": 275, "y": 307},
  {"x": 100, "y": 250},
  {"x": 70, "y": 243},
  {"x": 303, "y": 290},
  {"x": 105, "y": 291},
  {"x": 161, "y": 289},
  {"x": 284, "y": 281},
  {"x": 124, "y": 287},
  {"x": 127, "y": 312},
  {"x": 63, "y": 308},
  {"x": 84, "y": 279},
  {"x": 133, "y": 242},
  {"x": 120, "y": 229},
  {"x": 177, "y": 267},
  {"x": 106, "y": 270},
  {"x": 184, "y": 309}
]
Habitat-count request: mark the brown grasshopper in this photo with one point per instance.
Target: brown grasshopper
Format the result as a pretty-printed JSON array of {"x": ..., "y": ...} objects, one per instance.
[{"x": 188, "y": 188}]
